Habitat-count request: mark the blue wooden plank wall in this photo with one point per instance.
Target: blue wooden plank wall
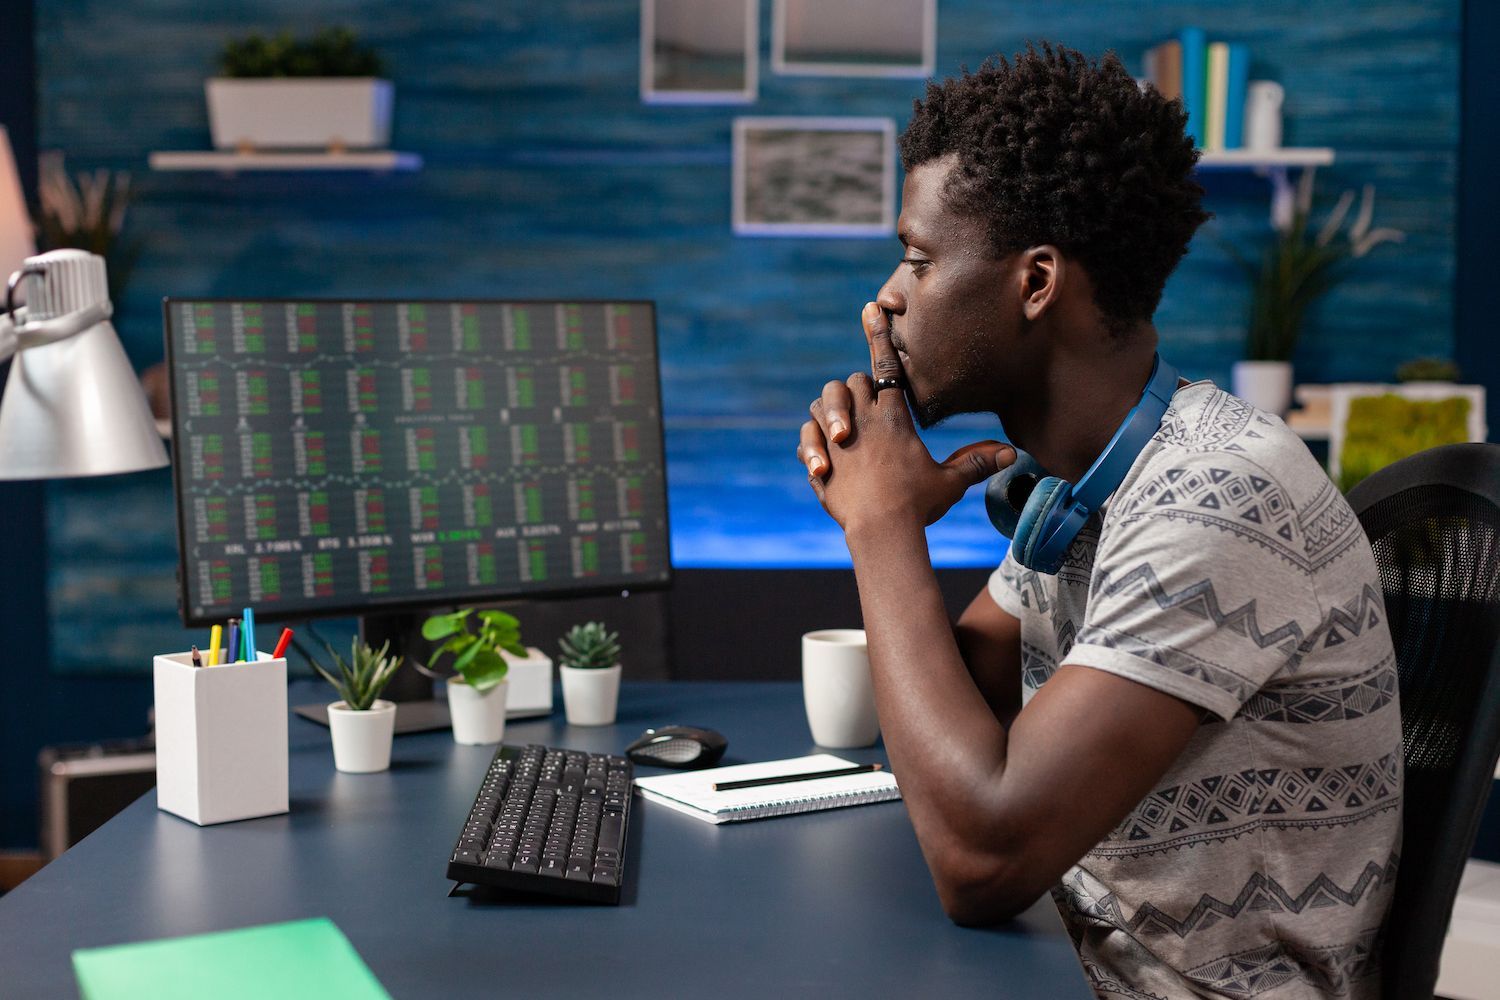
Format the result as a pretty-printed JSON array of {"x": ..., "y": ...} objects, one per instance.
[{"x": 545, "y": 176}]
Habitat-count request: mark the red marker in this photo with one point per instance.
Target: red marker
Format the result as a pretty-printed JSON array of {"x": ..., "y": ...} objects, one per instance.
[{"x": 281, "y": 644}]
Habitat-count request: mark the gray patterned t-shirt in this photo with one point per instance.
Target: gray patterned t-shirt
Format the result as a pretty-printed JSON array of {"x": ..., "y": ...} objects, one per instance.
[{"x": 1228, "y": 571}]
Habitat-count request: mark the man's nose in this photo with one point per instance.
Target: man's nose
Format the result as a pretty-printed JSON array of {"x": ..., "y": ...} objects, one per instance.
[{"x": 891, "y": 298}]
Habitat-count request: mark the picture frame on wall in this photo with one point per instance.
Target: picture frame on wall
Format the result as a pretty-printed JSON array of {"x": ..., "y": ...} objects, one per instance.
[
  {"x": 893, "y": 38},
  {"x": 814, "y": 176},
  {"x": 699, "y": 51}
]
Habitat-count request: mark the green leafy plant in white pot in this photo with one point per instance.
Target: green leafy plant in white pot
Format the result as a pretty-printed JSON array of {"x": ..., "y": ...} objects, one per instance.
[
  {"x": 589, "y": 660},
  {"x": 1297, "y": 267},
  {"x": 476, "y": 692},
  {"x": 361, "y": 722},
  {"x": 278, "y": 92}
]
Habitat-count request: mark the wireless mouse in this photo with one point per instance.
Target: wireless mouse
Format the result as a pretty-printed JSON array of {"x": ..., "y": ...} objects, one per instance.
[{"x": 678, "y": 746}]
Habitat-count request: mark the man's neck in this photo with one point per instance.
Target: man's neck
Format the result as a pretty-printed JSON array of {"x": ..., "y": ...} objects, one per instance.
[{"x": 1078, "y": 408}]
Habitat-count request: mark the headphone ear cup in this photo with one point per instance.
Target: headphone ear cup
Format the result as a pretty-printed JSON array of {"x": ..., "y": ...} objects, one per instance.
[
  {"x": 1007, "y": 491},
  {"x": 1041, "y": 503}
]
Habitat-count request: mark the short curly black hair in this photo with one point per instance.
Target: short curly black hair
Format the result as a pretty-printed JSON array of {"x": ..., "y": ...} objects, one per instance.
[{"x": 1053, "y": 148}]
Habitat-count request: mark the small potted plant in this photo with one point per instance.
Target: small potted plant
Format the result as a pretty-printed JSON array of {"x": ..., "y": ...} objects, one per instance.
[
  {"x": 362, "y": 725},
  {"x": 1297, "y": 267},
  {"x": 281, "y": 93},
  {"x": 476, "y": 692},
  {"x": 590, "y": 666}
]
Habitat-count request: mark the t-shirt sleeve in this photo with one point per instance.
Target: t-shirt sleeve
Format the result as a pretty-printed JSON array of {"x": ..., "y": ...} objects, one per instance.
[
  {"x": 1203, "y": 602},
  {"x": 1008, "y": 587}
]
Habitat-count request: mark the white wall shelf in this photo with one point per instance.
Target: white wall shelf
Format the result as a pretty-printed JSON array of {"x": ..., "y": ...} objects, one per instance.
[
  {"x": 1275, "y": 164},
  {"x": 232, "y": 161}
]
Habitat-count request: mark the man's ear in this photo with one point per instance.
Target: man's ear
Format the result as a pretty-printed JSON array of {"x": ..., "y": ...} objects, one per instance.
[{"x": 1040, "y": 272}]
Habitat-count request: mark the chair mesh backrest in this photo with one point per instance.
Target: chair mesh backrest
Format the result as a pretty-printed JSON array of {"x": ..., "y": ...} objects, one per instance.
[{"x": 1438, "y": 550}]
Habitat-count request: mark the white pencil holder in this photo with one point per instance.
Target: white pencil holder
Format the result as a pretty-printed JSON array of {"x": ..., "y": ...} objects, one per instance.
[{"x": 221, "y": 740}]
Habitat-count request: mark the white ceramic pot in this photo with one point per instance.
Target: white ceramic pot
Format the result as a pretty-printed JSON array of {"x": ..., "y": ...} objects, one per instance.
[
  {"x": 530, "y": 683},
  {"x": 362, "y": 740},
  {"x": 1263, "y": 384},
  {"x": 590, "y": 696},
  {"x": 303, "y": 113},
  {"x": 477, "y": 718}
]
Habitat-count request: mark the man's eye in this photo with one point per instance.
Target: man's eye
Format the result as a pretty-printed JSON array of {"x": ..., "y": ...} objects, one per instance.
[{"x": 917, "y": 264}]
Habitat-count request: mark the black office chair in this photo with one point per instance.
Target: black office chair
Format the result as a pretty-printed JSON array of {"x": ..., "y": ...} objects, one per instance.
[{"x": 1434, "y": 522}]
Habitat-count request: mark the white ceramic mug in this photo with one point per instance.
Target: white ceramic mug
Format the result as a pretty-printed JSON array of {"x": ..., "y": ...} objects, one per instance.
[
  {"x": 1263, "y": 102},
  {"x": 836, "y": 688}
]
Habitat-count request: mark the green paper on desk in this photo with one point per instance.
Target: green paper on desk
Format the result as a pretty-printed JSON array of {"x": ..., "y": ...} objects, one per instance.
[{"x": 290, "y": 961}]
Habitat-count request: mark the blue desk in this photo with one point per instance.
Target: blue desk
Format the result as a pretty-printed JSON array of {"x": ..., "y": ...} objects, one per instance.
[{"x": 829, "y": 904}]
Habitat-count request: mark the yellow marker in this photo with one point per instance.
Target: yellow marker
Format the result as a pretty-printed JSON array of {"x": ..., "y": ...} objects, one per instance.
[{"x": 214, "y": 635}]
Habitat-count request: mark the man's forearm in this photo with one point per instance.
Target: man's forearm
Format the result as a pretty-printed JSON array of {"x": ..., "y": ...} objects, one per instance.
[{"x": 944, "y": 741}]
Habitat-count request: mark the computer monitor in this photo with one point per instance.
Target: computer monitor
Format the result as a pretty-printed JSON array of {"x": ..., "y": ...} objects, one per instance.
[{"x": 376, "y": 458}]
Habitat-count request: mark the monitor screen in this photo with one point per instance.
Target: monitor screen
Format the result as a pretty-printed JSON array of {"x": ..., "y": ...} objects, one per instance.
[{"x": 336, "y": 457}]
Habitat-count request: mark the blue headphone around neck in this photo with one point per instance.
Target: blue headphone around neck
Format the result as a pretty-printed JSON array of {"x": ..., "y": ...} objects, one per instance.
[{"x": 1042, "y": 514}]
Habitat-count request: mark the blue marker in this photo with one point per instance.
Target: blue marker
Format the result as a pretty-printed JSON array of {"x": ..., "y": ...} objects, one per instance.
[
  {"x": 248, "y": 631},
  {"x": 232, "y": 650}
]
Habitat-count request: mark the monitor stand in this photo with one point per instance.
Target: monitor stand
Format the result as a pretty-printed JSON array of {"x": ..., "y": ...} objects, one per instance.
[{"x": 417, "y": 711}]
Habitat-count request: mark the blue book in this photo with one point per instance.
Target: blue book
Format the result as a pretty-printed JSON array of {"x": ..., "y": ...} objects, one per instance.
[
  {"x": 1239, "y": 80},
  {"x": 1195, "y": 83}
]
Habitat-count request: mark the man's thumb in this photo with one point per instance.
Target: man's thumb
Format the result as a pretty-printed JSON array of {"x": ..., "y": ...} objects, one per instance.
[{"x": 974, "y": 463}]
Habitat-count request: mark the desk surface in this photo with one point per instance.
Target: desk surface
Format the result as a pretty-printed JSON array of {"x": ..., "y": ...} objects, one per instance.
[{"x": 832, "y": 903}]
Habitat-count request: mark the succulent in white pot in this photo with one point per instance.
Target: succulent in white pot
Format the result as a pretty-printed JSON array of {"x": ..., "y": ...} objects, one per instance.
[
  {"x": 324, "y": 92},
  {"x": 477, "y": 691},
  {"x": 361, "y": 723},
  {"x": 589, "y": 661}
]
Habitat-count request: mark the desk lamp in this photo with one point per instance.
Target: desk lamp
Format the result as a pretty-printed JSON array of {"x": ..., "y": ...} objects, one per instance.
[{"x": 72, "y": 405}]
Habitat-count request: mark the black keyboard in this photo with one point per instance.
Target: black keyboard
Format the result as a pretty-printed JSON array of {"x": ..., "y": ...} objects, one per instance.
[{"x": 548, "y": 820}]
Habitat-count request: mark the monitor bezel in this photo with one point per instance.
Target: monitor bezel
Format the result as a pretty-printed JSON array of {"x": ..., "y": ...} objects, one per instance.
[{"x": 403, "y": 604}]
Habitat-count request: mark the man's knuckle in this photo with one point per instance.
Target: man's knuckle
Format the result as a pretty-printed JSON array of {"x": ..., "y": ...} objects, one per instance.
[{"x": 887, "y": 367}]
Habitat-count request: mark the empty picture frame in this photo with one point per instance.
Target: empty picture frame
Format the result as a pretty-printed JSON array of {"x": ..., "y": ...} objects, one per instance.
[
  {"x": 854, "y": 37},
  {"x": 699, "y": 51},
  {"x": 814, "y": 176}
]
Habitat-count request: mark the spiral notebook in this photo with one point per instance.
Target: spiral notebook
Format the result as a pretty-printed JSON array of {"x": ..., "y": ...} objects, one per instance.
[{"x": 693, "y": 793}]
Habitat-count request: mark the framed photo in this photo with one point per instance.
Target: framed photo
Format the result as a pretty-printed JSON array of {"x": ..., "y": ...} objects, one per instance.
[
  {"x": 854, "y": 37},
  {"x": 699, "y": 51},
  {"x": 1372, "y": 425},
  {"x": 814, "y": 176}
]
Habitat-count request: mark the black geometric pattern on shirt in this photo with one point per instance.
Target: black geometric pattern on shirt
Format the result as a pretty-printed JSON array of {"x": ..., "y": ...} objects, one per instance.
[
  {"x": 1219, "y": 835},
  {"x": 1221, "y": 420},
  {"x": 1027, "y": 584},
  {"x": 1337, "y": 700},
  {"x": 1105, "y": 983},
  {"x": 1078, "y": 561},
  {"x": 1173, "y": 659},
  {"x": 1201, "y": 600},
  {"x": 1264, "y": 894},
  {"x": 1347, "y": 621},
  {"x": 1332, "y": 969},
  {"x": 1244, "y": 503},
  {"x": 1036, "y": 665},
  {"x": 1283, "y": 795},
  {"x": 1329, "y": 526}
]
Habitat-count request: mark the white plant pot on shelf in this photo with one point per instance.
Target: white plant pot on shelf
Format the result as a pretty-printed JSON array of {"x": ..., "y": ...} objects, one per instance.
[
  {"x": 362, "y": 740},
  {"x": 477, "y": 718},
  {"x": 590, "y": 696},
  {"x": 1266, "y": 385},
  {"x": 300, "y": 113}
]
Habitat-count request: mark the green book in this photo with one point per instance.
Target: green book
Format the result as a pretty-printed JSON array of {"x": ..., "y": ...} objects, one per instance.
[{"x": 290, "y": 961}]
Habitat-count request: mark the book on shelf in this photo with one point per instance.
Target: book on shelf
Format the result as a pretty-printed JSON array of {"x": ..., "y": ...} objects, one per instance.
[{"x": 1210, "y": 78}]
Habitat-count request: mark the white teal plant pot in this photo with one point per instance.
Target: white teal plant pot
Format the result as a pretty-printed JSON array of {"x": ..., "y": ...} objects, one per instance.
[
  {"x": 1266, "y": 385},
  {"x": 301, "y": 113},
  {"x": 591, "y": 696},
  {"x": 362, "y": 740},
  {"x": 478, "y": 718}
]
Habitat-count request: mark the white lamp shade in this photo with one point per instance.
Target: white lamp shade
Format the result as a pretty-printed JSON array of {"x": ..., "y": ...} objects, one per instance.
[
  {"x": 16, "y": 239},
  {"x": 74, "y": 407}
]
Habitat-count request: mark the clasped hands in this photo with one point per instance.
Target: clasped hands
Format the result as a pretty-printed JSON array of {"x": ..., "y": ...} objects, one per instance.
[{"x": 863, "y": 457}]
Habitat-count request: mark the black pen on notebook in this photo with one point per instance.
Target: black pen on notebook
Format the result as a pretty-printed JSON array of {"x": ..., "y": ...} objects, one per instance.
[{"x": 779, "y": 779}]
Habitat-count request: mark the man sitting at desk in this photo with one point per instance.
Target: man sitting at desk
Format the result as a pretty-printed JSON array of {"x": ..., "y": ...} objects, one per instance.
[{"x": 1189, "y": 730}]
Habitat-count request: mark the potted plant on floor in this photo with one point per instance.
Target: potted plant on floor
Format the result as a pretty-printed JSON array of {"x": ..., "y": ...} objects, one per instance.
[
  {"x": 590, "y": 665},
  {"x": 361, "y": 723},
  {"x": 476, "y": 692},
  {"x": 281, "y": 93},
  {"x": 1296, "y": 268}
]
